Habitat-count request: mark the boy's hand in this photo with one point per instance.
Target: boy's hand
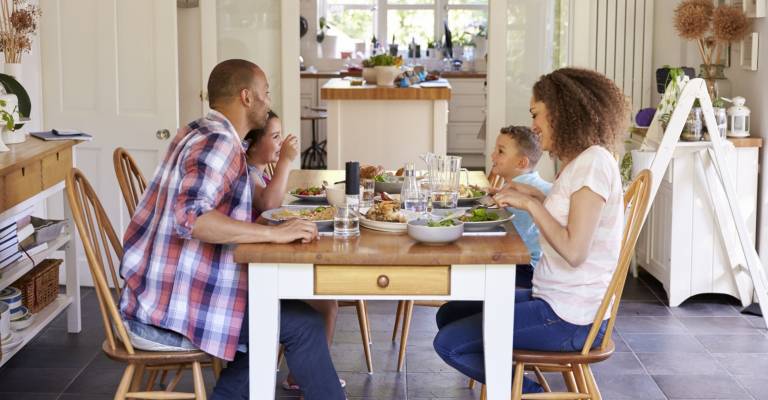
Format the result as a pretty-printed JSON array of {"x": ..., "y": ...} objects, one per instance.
[{"x": 290, "y": 148}]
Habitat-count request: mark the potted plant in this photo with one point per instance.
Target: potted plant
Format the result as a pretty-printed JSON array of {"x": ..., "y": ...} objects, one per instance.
[
  {"x": 387, "y": 68},
  {"x": 369, "y": 73},
  {"x": 481, "y": 41},
  {"x": 327, "y": 42},
  {"x": 8, "y": 124},
  {"x": 18, "y": 22}
]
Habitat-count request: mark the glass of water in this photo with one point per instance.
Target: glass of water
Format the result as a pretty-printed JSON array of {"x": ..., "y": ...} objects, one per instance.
[
  {"x": 346, "y": 223},
  {"x": 366, "y": 194}
]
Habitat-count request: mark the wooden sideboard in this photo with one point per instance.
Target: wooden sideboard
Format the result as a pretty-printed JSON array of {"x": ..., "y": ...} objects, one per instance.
[{"x": 30, "y": 173}]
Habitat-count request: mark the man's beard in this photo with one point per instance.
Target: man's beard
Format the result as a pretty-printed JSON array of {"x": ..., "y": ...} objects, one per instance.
[{"x": 257, "y": 121}]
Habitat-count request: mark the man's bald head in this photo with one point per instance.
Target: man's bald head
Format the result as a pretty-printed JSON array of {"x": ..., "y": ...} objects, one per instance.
[{"x": 229, "y": 77}]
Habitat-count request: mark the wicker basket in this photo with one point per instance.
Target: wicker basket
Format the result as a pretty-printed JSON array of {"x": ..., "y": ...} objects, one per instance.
[{"x": 40, "y": 286}]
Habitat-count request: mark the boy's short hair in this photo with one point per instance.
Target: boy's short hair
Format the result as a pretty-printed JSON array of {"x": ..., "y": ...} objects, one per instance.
[
  {"x": 254, "y": 135},
  {"x": 527, "y": 142}
]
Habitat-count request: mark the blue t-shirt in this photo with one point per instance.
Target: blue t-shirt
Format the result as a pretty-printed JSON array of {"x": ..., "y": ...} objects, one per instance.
[{"x": 523, "y": 222}]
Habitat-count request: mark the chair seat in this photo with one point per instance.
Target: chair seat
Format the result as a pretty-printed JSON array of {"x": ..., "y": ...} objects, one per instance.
[
  {"x": 551, "y": 357},
  {"x": 154, "y": 357}
]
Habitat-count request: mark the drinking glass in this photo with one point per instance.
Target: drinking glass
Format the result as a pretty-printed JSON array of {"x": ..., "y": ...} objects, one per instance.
[
  {"x": 346, "y": 223},
  {"x": 366, "y": 194}
]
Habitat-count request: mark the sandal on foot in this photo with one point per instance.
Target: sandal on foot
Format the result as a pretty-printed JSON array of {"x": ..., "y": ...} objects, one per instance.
[{"x": 295, "y": 386}]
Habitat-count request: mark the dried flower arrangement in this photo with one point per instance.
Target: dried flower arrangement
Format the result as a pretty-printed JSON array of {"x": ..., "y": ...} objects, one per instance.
[
  {"x": 18, "y": 22},
  {"x": 712, "y": 28}
]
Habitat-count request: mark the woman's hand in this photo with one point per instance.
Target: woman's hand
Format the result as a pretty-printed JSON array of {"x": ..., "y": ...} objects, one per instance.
[
  {"x": 290, "y": 148},
  {"x": 526, "y": 190},
  {"x": 508, "y": 197}
]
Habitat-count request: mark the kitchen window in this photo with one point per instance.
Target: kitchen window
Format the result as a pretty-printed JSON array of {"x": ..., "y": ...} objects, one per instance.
[{"x": 357, "y": 21}]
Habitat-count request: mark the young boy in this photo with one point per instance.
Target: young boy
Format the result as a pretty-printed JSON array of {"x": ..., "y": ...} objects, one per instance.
[{"x": 514, "y": 158}]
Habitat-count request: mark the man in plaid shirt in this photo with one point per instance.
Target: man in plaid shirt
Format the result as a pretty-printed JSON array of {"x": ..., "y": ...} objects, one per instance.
[{"x": 183, "y": 289}]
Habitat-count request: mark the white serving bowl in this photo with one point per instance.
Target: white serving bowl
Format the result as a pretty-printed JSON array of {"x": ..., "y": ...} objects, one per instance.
[
  {"x": 419, "y": 231},
  {"x": 336, "y": 195},
  {"x": 5, "y": 321}
]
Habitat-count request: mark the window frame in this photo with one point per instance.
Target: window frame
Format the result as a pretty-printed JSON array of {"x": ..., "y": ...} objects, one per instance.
[{"x": 381, "y": 8}]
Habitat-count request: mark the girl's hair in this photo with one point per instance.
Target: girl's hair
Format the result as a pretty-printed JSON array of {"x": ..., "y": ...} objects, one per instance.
[
  {"x": 527, "y": 142},
  {"x": 254, "y": 135},
  {"x": 584, "y": 107}
]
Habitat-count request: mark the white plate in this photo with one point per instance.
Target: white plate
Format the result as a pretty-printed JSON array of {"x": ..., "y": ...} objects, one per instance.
[
  {"x": 395, "y": 227},
  {"x": 23, "y": 323},
  {"x": 268, "y": 215},
  {"x": 318, "y": 198}
]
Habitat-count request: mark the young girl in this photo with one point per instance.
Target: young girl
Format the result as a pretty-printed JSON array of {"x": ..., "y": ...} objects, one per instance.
[
  {"x": 266, "y": 146},
  {"x": 577, "y": 114}
]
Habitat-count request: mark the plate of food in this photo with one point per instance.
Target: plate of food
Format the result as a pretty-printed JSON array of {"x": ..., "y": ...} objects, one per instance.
[
  {"x": 385, "y": 216},
  {"x": 312, "y": 193},
  {"x": 469, "y": 194},
  {"x": 321, "y": 215},
  {"x": 481, "y": 219}
]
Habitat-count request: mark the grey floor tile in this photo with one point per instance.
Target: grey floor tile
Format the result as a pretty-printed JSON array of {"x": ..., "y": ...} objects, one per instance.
[
  {"x": 385, "y": 386},
  {"x": 619, "y": 342},
  {"x": 700, "y": 387},
  {"x": 743, "y": 364},
  {"x": 59, "y": 337},
  {"x": 30, "y": 396},
  {"x": 425, "y": 361},
  {"x": 53, "y": 357},
  {"x": 86, "y": 396},
  {"x": 653, "y": 324},
  {"x": 628, "y": 387},
  {"x": 96, "y": 380},
  {"x": 643, "y": 308},
  {"x": 440, "y": 385},
  {"x": 721, "y": 307},
  {"x": 756, "y": 386},
  {"x": 676, "y": 364},
  {"x": 36, "y": 380},
  {"x": 719, "y": 326},
  {"x": 663, "y": 343},
  {"x": 636, "y": 290},
  {"x": 735, "y": 343},
  {"x": 619, "y": 363}
]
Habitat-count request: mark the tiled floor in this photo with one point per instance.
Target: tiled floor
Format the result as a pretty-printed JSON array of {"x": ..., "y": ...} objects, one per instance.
[{"x": 704, "y": 349}]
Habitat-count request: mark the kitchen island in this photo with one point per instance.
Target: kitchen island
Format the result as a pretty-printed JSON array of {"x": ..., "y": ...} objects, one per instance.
[{"x": 383, "y": 125}]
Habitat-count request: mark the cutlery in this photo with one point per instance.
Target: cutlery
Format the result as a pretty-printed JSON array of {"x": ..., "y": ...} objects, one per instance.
[{"x": 455, "y": 214}]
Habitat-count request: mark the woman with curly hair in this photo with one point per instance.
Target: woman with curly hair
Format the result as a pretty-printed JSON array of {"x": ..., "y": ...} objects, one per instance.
[{"x": 577, "y": 113}]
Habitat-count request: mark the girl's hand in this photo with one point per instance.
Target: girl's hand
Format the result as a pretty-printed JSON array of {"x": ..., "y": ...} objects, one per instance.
[
  {"x": 508, "y": 197},
  {"x": 290, "y": 148}
]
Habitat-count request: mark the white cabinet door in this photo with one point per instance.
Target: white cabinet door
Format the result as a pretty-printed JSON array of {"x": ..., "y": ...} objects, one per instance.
[{"x": 110, "y": 69}]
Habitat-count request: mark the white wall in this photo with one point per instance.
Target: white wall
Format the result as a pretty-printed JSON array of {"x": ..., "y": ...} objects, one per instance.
[{"x": 669, "y": 49}]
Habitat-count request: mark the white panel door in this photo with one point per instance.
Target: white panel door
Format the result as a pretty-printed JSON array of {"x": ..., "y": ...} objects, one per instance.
[{"x": 110, "y": 69}]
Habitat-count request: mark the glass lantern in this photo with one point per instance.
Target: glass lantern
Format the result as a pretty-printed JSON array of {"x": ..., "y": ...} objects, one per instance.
[{"x": 738, "y": 118}]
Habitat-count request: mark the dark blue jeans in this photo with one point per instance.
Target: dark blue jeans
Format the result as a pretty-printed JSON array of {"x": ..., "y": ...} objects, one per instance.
[
  {"x": 459, "y": 341},
  {"x": 302, "y": 331}
]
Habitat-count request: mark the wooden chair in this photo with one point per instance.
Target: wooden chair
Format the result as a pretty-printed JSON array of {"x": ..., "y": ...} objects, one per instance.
[
  {"x": 101, "y": 244},
  {"x": 575, "y": 366},
  {"x": 129, "y": 177}
]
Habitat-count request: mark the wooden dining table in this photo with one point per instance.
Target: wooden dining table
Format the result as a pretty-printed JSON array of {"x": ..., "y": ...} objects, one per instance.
[{"x": 381, "y": 266}]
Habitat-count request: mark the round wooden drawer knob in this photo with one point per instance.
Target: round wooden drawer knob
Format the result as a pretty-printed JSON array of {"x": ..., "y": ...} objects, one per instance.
[{"x": 382, "y": 281}]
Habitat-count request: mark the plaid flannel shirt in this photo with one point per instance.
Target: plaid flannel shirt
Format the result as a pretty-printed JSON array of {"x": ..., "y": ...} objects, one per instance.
[{"x": 172, "y": 280}]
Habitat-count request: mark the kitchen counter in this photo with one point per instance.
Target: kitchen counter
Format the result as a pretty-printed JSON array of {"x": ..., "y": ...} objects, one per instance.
[
  {"x": 341, "y": 74},
  {"x": 752, "y": 141},
  {"x": 339, "y": 89}
]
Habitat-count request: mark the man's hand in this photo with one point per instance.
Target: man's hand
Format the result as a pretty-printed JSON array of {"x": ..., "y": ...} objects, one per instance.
[
  {"x": 295, "y": 229},
  {"x": 290, "y": 148}
]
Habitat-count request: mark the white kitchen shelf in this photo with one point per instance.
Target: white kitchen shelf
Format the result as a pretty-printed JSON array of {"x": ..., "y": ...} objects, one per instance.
[
  {"x": 11, "y": 273},
  {"x": 42, "y": 319}
]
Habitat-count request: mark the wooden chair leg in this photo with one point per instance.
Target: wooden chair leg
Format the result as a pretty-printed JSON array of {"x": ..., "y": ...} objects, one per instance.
[
  {"x": 362, "y": 318},
  {"x": 542, "y": 380},
  {"x": 125, "y": 382},
  {"x": 471, "y": 383},
  {"x": 151, "y": 380},
  {"x": 570, "y": 381},
  {"x": 367, "y": 321},
  {"x": 407, "y": 315},
  {"x": 581, "y": 384},
  {"x": 175, "y": 381},
  {"x": 594, "y": 392},
  {"x": 163, "y": 375},
  {"x": 216, "y": 366},
  {"x": 197, "y": 376},
  {"x": 517, "y": 381},
  {"x": 483, "y": 392},
  {"x": 398, "y": 316},
  {"x": 138, "y": 375}
]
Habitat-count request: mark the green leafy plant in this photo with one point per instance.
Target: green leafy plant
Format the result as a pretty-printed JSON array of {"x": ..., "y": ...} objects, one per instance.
[
  {"x": 383, "y": 60},
  {"x": 8, "y": 120},
  {"x": 321, "y": 32},
  {"x": 431, "y": 44},
  {"x": 482, "y": 31}
]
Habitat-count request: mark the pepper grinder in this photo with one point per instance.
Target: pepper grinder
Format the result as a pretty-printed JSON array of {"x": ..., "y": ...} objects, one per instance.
[{"x": 352, "y": 184}]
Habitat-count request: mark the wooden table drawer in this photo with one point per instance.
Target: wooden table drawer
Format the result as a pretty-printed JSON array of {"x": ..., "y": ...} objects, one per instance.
[
  {"x": 56, "y": 166},
  {"x": 378, "y": 280},
  {"x": 21, "y": 184}
]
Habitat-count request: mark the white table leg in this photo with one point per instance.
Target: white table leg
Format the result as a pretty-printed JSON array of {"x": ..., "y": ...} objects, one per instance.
[
  {"x": 263, "y": 329},
  {"x": 74, "y": 324},
  {"x": 498, "y": 328}
]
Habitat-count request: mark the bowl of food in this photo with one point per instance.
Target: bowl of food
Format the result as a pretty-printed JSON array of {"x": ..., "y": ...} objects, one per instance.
[
  {"x": 388, "y": 183},
  {"x": 435, "y": 233},
  {"x": 336, "y": 195},
  {"x": 470, "y": 193}
]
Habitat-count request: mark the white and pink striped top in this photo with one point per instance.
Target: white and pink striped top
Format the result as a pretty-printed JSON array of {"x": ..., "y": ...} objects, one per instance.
[{"x": 574, "y": 292}]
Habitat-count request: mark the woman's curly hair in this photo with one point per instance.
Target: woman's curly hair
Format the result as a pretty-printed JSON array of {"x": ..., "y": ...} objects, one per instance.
[{"x": 584, "y": 108}]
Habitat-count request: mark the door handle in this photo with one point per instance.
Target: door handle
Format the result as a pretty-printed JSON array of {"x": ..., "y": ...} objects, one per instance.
[{"x": 163, "y": 134}]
